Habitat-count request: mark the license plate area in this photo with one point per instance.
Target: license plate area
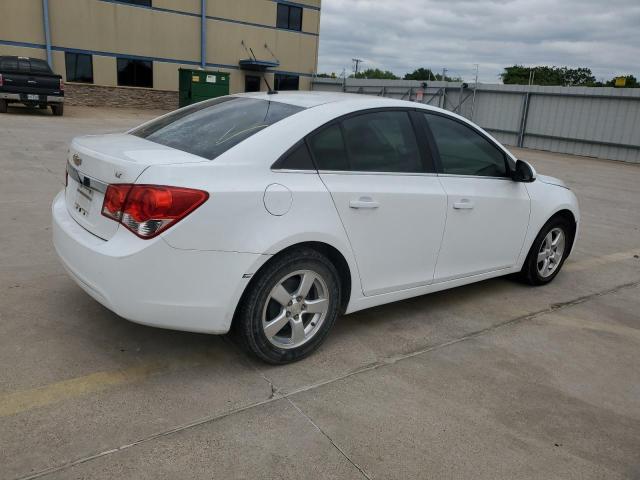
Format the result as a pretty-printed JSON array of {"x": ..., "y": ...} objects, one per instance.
[
  {"x": 32, "y": 96},
  {"x": 84, "y": 200}
]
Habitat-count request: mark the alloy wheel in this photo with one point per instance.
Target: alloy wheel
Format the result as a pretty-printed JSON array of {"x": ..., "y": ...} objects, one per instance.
[
  {"x": 551, "y": 252},
  {"x": 295, "y": 309}
]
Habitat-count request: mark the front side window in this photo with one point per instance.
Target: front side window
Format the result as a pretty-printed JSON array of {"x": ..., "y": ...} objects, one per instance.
[
  {"x": 286, "y": 82},
  {"x": 382, "y": 142},
  {"x": 289, "y": 17},
  {"x": 464, "y": 151},
  {"x": 79, "y": 67},
  {"x": 212, "y": 127},
  {"x": 135, "y": 73}
]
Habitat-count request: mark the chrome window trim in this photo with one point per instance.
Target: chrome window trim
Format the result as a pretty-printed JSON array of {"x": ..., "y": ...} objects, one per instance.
[
  {"x": 395, "y": 174},
  {"x": 455, "y": 175},
  {"x": 86, "y": 180}
]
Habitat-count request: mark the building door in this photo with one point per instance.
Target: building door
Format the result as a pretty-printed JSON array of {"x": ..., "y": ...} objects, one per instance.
[{"x": 251, "y": 83}]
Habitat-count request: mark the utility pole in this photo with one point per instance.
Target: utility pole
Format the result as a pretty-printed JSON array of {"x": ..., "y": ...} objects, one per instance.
[
  {"x": 444, "y": 74},
  {"x": 357, "y": 62},
  {"x": 475, "y": 87}
]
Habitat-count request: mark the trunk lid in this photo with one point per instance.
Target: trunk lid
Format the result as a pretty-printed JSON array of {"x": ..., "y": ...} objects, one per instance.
[{"x": 96, "y": 161}]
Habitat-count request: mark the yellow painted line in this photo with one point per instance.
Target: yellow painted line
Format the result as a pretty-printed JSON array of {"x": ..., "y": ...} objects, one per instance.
[
  {"x": 12, "y": 403},
  {"x": 594, "y": 262}
]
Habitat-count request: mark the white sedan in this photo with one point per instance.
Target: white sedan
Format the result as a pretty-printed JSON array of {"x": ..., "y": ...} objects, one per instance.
[{"x": 278, "y": 212}]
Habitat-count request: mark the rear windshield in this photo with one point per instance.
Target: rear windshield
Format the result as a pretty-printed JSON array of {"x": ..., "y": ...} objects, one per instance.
[
  {"x": 24, "y": 65},
  {"x": 210, "y": 128}
]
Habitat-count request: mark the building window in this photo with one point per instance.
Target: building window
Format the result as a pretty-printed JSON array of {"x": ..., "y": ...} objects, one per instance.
[
  {"x": 287, "y": 82},
  {"x": 142, "y": 3},
  {"x": 289, "y": 17},
  {"x": 135, "y": 73},
  {"x": 79, "y": 67}
]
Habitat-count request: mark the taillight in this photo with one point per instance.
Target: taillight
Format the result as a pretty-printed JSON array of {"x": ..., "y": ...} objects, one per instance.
[
  {"x": 148, "y": 210},
  {"x": 61, "y": 85},
  {"x": 1, "y": 80}
]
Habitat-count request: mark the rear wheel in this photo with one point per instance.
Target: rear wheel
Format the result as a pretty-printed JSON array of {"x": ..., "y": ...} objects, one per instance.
[
  {"x": 290, "y": 307},
  {"x": 57, "y": 110},
  {"x": 3, "y": 106},
  {"x": 548, "y": 252}
]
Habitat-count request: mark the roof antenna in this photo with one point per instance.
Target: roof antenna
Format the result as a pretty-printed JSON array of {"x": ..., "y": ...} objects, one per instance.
[{"x": 270, "y": 91}]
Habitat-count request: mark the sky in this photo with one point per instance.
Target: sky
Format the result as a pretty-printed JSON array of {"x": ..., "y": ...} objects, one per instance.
[{"x": 402, "y": 35}]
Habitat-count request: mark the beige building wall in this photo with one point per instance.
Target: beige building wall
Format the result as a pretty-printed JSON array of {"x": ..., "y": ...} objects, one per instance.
[{"x": 171, "y": 39}]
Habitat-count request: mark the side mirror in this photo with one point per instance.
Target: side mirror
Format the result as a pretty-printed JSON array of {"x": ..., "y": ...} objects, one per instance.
[{"x": 523, "y": 172}]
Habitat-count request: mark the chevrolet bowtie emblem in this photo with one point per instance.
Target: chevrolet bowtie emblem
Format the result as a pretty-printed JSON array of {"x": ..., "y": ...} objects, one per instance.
[{"x": 76, "y": 160}]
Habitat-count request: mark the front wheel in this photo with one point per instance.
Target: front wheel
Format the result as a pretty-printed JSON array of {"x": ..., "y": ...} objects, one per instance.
[
  {"x": 290, "y": 307},
  {"x": 548, "y": 252}
]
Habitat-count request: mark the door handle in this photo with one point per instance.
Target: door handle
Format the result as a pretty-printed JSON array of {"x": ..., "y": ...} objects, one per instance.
[
  {"x": 464, "y": 204},
  {"x": 364, "y": 202}
]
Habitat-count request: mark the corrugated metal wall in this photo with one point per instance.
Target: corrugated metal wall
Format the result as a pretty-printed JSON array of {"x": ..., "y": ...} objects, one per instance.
[{"x": 596, "y": 122}]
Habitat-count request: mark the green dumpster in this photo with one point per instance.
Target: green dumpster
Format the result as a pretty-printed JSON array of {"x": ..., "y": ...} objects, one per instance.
[{"x": 198, "y": 85}]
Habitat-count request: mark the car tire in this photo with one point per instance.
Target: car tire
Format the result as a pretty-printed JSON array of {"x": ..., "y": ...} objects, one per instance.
[
  {"x": 57, "y": 110},
  {"x": 276, "y": 320},
  {"x": 3, "y": 106},
  {"x": 548, "y": 252}
]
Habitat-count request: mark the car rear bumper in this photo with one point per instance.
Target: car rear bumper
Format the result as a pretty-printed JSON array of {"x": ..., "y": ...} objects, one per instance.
[
  {"x": 150, "y": 282},
  {"x": 17, "y": 97}
]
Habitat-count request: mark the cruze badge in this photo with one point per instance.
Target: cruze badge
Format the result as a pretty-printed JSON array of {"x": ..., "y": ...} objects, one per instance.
[{"x": 77, "y": 160}]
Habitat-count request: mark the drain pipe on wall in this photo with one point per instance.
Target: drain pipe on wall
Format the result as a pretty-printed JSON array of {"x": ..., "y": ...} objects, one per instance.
[
  {"x": 203, "y": 33},
  {"x": 47, "y": 31}
]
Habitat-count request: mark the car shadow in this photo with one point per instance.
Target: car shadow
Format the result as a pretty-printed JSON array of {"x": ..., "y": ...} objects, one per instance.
[{"x": 28, "y": 111}]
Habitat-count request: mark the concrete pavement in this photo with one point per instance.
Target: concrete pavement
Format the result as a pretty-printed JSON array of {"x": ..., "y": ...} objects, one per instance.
[{"x": 493, "y": 380}]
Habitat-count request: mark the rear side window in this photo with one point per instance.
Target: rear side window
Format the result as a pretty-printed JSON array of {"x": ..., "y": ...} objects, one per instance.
[
  {"x": 463, "y": 151},
  {"x": 297, "y": 159},
  {"x": 382, "y": 142},
  {"x": 212, "y": 127},
  {"x": 327, "y": 147}
]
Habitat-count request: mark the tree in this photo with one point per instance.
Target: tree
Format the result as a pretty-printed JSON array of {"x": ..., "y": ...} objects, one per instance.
[
  {"x": 426, "y": 74},
  {"x": 326, "y": 75},
  {"x": 545, "y": 75},
  {"x": 420, "y": 74},
  {"x": 631, "y": 82},
  {"x": 376, "y": 73}
]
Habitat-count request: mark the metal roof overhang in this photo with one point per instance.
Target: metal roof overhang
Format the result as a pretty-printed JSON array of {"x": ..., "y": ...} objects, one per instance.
[{"x": 257, "y": 65}]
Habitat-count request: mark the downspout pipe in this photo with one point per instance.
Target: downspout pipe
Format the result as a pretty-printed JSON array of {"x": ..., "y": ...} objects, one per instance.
[
  {"x": 47, "y": 30},
  {"x": 203, "y": 33}
]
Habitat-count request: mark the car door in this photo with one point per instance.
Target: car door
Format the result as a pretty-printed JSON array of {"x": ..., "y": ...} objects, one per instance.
[
  {"x": 385, "y": 189},
  {"x": 487, "y": 212}
]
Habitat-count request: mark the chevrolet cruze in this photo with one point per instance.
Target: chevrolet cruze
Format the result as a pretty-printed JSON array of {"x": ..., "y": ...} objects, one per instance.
[{"x": 276, "y": 213}]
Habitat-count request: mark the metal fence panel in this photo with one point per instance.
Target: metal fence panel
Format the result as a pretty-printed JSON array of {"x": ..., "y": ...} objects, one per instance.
[{"x": 598, "y": 122}]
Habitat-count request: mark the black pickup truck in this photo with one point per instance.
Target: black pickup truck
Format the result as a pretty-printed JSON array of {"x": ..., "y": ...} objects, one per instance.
[{"x": 31, "y": 82}]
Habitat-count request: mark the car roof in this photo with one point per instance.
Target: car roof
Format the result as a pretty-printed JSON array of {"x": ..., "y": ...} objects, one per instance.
[{"x": 308, "y": 99}]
